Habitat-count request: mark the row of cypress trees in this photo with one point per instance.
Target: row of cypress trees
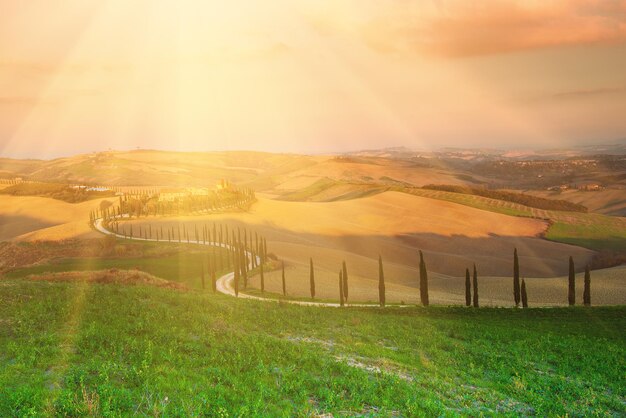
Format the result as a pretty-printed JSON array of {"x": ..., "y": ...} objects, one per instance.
[
  {"x": 520, "y": 294},
  {"x": 144, "y": 204},
  {"x": 240, "y": 246},
  {"x": 519, "y": 291},
  {"x": 217, "y": 234}
]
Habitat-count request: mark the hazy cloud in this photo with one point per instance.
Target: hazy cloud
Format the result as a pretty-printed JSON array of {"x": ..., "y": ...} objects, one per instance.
[
  {"x": 589, "y": 93},
  {"x": 459, "y": 28}
]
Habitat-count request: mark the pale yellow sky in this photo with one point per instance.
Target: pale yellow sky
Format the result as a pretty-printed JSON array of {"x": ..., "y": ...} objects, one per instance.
[{"x": 309, "y": 76}]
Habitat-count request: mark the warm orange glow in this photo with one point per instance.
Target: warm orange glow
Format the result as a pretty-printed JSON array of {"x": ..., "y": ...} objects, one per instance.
[{"x": 308, "y": 75}]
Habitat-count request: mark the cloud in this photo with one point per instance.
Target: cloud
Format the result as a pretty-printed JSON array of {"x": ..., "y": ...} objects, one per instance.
[
  {"x": 459, "y": 28},
  {"x": 574, "y": 94}
]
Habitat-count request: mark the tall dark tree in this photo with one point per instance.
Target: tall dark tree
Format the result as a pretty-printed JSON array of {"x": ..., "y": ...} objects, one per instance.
[
  {"x": 262, "y": 279},
  {"x": 214, "y": 279},
  {"x": 236, "y": 269},
  {"x": 587, "y": 291},
  {"x": 244, "y": 266},
  {"x": 571, "y": 288},
  {"x": 524, "y": 295},
  {"x": 468, "y": 288},
  {"x": 202, "y": 273},
  {"x": 312, "y": 278},
  {"x": 345, "y": 281},
  {"x": 475, "y": 280},
  {"x": 423, "y": 281},
  {"x": 381, "y": 283},
  {"x": 341, "y": 298},
  {"x": 284, "y": 283},
  {"x": 516, "y": 285}
]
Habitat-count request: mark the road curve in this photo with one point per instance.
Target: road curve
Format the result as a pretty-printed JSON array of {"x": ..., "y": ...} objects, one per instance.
[{"x": 224, "y": 284}]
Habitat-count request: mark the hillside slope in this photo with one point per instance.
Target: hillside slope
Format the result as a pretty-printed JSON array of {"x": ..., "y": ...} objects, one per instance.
[
  {"x": 115, "y": 350},
  {"x": 40, "y": 218},
  {"x": 396, "y": 225}
]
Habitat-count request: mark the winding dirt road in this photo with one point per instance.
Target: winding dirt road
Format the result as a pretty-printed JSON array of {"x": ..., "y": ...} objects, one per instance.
[{"x": 224, "y": 284}]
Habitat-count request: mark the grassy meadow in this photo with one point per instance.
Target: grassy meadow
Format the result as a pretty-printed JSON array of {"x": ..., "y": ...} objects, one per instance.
[
  {"x": 79, "y": 348},
  {"x": 103, "y": 326},
  {"x": 179, "y": 264}
]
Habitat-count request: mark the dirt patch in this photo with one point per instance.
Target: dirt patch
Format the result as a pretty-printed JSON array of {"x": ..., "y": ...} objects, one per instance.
[
  {"x": 377, "y": 366},
  {"x": 112, "y": 276}
]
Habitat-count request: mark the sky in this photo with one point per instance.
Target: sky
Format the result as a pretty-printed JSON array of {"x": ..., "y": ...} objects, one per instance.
[{"x": 309, "y": 76}]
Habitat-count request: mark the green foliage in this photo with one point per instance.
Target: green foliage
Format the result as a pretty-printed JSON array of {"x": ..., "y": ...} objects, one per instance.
[
  {"x": 571, "y": 283},
  {"x": 468, "y": 288},
  {"x": 344, "y": 277},
  {"x": 381, "y": 282},
  {"x": 516, "y": 285},
  {"x": 587, "y": 289},
  {"x": 56, "y": 191},
  {"x": 520, "y": 198},
  {"x": 74, "y": 350},
  {"x": 283, "y": 278},
  {"x": 312, "y": 279},
  {"x": 423, "y": 281}
]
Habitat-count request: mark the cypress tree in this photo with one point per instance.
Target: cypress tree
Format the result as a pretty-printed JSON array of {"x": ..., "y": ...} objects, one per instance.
[
  {"x": 571, "y": 288},
  {"x": 587, "y": 291},
  {"x": 284, "y": 284},
  {"x": 475, "y": 287},
  {"x": 202, "y": 273},
  {"x": 262, "y": 280},
  {"x": 524, "y": 295},
  {"x": 211, "y": 270},
  {"x": 312, "y": 279},
  {"x": 236, "y": 269},
  {"x": 345, "y": 281},
  {"x": 468, "y": 288},
  {"x": 244, "y": 267},
  {"x": 423, "y": 281},
  {"x": 341, "y": 298},
  {"x": 381, "y": 283},
  {"x": 516, "y": 285}
]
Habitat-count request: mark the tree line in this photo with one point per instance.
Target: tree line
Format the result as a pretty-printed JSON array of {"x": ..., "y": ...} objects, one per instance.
[
  {"x": 520, "y": 293},
  {"x": 154, "y": 203},
  {"x": 247, "y": 251},
  {"x": 520, "y": 198}
]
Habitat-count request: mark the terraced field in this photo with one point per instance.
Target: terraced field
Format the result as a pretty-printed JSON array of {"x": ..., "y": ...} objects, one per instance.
[{"x": 589, "y": 230}]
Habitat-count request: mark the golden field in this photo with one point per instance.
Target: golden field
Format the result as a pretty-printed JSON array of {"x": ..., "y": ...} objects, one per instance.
[{"x": 34, "y": 218}]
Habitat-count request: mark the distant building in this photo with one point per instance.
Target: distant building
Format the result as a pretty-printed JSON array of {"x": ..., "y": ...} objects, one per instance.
[{"x": 590, "y": 187}]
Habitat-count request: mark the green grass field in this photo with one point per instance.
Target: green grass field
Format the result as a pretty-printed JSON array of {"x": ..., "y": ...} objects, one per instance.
[
  {"x": 75, "y": 349},
  {"x": 180, "y": 266}
]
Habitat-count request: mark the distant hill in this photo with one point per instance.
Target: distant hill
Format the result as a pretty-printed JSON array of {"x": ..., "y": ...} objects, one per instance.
[{"x": 285, "y": 174}]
